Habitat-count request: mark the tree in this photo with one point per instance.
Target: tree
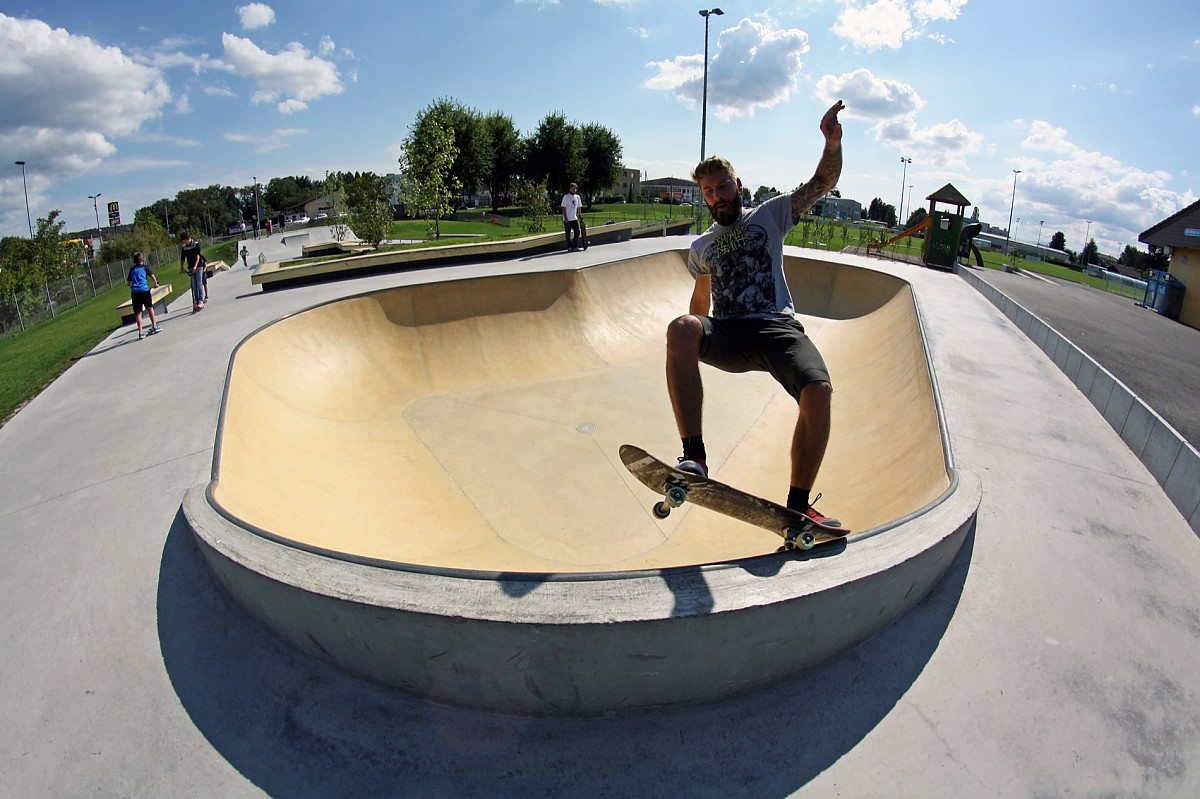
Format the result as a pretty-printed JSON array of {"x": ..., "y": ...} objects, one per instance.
[
  {"x": 53, "y": 257},
  {"x": 427, "y": 164},
  {"x": 472, "y": 150},
  {"x": 333, "y": 188},
  {"x": 532, "y": 196},
  {"x": 146, "y": 235},
  {"x": 1059, "y": 241},
  {"x": 506, "y": 157},
  {"x": 1090, "y": 251},
  {"x": 915, "y": 218},
  {"x": 370, "y": 211},
  {"x": 287, "y": 193},
  {"x": 555, "y": 154},
  {"x": 882, "y": 212},
  {"x": 602, "y": 155}
]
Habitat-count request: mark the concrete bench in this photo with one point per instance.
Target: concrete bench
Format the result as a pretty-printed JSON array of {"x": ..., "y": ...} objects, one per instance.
[
  {"x": 158, "y": 297},
  {"x": 216, "y": 266}
]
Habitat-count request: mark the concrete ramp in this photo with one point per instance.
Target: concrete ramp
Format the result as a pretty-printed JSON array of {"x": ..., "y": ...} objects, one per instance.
[
  {"x": 422, "y": 485},
  {"x": 475, "y": 424}
]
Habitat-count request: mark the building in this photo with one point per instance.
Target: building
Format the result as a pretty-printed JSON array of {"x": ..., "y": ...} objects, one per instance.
[
  {"x": 630, "y": 188},
  {"x": 1180, "y": 234},
  {"x": 676, "y": 190},
  {"x": 838, "y": 208}
]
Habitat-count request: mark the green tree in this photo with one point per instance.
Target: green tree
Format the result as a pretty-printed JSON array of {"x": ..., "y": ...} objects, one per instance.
[
  {"x": 504, "y": 140},
  {"x": 554, "y": 154},
  {"x": 1058, "y": 241},
  {"x": 370, "y": 211},
  {"x": 334, "y": 192},
  {"x": 288, "y": 193},
  {"x": 427, "y": 162},
  {"x": 146, "y": 235},
  {"x": 882, "y": 212},
  {"x": 916, "y": 218},
  {"x": 53, "y": 257},
  {"x": 1090, "y": 251},
  {"x": 532, "y": 196},
  {"x": 602, "y": 155}
]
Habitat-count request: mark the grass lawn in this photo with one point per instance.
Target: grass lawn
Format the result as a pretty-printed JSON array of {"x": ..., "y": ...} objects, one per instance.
[{"x": 32, "y": 360}]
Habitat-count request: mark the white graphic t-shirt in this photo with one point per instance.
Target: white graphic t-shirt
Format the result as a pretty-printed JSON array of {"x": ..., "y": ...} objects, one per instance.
[{"x": 745, "y": 261}]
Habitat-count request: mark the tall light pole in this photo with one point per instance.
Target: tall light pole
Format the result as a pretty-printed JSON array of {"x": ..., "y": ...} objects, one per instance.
[
  {"x": 96, "y": 208},
  {"x": 1042, "y": 222},
  {"x": 1085, "y": 243},
  {"x": 1008, "y": 233},
  {"x": 256, "y": 211},
  {"x": 706, "y": 13},
  {"x": 28, "y": 218},
  {"x": 903, "y": 181}
]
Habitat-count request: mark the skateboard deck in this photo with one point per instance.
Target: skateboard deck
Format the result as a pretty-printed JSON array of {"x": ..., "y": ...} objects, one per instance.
[
  {"x": 583, "y": 232},
  {"x": 797, "y": 530}
]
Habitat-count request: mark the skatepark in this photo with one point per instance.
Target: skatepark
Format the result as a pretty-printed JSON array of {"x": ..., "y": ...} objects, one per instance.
[{"x": 1055, "y": 654}]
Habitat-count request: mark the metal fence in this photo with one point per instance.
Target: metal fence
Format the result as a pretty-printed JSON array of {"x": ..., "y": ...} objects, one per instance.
[{"x": 24, "y": 310}]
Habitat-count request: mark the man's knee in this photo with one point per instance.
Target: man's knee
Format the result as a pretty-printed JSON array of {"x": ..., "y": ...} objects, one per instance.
[
  {"x": 684, "y": 335},
  {"x": 816, "y": 397}
]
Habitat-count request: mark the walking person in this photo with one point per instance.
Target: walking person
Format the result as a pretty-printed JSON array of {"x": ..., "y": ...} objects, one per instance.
[
  {"x": 140, "y": 278},
  {"x": 572, "y": 204},
  {"x": 741, "y": 317},
  {"x": 189, "y": 264}
]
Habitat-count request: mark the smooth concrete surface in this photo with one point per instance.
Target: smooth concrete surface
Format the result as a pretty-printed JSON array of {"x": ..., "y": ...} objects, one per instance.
[
  {"x": 1058, "y": 656},
  {"x": 1158, "y": 356},
  {"x": 474, "y": 424}
]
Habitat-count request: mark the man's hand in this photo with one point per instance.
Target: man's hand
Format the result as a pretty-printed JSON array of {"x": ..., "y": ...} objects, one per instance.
[{"x": 830, "y": 127}]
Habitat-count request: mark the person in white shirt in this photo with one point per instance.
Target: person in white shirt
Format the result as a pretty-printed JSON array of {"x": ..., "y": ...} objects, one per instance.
[{"x": 572, "y": 204}]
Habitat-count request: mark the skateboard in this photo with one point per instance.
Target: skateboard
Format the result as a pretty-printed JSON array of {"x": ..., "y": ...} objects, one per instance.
[
  {"x": 677, "y": 487},
  {"x": 583, "y": 232}
]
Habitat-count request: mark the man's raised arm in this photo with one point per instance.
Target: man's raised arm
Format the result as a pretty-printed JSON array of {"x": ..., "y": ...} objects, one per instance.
[{"x": 829, "y": 168}]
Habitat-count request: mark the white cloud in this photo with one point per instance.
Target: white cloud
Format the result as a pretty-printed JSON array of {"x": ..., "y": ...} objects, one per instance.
[
  {"x": 869, "y": 97},
  {"x": 265, "y": 143},
  {"x": 889, "y": 23},
  {"x": 293, "y": 77},
  {"x": 255, "y": 15},
  {"x": 64, "y": 98},
  {"x": 1196, "y": 110},
  {"x": 326, "y": 47},
  {"x": 183, "y": 104},
  {"x": 753, "y": 65},
  {"x": 883, "y": 23}
]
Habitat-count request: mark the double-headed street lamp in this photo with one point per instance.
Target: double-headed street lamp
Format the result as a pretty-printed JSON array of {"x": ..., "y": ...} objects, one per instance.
[
  {"x": 706, "y": 13},
  {"x": 1042, "y": 222},
  {"x": 1008, "y": 234},
  {"x": 28, "y": 218},
  {"x": 256, "y": 211},
  {"x": 903, "y": 181},
  {"x": 96, "y": 208}
]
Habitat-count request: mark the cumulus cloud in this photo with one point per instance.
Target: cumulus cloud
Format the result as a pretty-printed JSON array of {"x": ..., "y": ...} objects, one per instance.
[
  {"x": 64, "y": 98},
  {"x": 292, "y": 78},
  {"x": 893, "y": 106},
  {"x": 255, "y": 15},
  {"x": 1057, "y": 173},
  {"x": 889, "y": 23},
  {"x": 754, "y": 65}
]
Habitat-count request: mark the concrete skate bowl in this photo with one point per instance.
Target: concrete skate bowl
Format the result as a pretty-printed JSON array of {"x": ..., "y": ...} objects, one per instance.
[{"x": 421, "y": 485}]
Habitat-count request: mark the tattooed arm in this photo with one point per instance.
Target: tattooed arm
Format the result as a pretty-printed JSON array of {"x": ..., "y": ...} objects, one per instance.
[{"x": 829, "y": 169}]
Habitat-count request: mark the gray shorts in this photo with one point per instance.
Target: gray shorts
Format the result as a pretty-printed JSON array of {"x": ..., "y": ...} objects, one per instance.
[{"x": 777, "y": 346}]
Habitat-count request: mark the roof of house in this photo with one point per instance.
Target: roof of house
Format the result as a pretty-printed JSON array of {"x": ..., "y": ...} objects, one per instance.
[{"x": 1178, "y": 230}]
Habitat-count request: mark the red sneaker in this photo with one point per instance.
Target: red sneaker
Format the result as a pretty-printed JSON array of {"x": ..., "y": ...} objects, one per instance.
[{"x": 820, "y": 518}]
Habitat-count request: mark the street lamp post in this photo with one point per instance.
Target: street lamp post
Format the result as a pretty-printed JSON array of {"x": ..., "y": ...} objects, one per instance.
[
  {"x": 1086, "y": 255},
  {"x": 1042, "y": 222},
  {"x": 1008, "y": 233},
  {"x": 28, "y": 218},
  {"x": 903, "y": 181},
  {"x": 96, "y": 208},
  {"x": 706, "y": 13},
  {"x": 256, "y": 211}
]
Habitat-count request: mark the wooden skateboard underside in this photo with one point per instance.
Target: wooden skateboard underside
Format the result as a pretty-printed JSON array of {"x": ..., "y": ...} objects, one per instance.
[{"x": 797, "y": 530}]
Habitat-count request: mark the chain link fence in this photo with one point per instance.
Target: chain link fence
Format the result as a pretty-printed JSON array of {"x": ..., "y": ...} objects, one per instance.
[{"x": 21, "y": 311}]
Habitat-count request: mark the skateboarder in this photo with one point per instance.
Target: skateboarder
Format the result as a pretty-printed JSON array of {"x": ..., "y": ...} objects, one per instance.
[
  {"x": 741, "y": 314},
  {"x": 189, "y": 264},
  {"x": 139, "y": 281},
  {"x": 571, "y": 205}
]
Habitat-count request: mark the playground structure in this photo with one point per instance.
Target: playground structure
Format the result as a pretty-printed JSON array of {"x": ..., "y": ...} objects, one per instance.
[{"x": 945, "y": 237}]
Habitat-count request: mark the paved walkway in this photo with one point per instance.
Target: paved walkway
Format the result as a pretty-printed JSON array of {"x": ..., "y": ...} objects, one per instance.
[{"x": 1061, "y": 654}]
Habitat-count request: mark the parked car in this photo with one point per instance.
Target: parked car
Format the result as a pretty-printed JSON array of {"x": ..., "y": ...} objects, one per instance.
[{"x": 320, "y": 217}]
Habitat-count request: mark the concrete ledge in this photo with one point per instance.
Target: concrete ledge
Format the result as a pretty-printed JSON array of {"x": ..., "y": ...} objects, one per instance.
[
  {"x": 581, "y": 644},
  {"x": 324, "y": 248},
  {"x": 1172, "y": 461},
  {"x": 283, "y": 275},
  {"x": 158, "y": 297}
]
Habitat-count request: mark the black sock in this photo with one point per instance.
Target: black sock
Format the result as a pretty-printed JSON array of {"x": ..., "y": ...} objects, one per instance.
[
  {"x": 798, "y": 498},
  {"x": 693, "y": 449}
]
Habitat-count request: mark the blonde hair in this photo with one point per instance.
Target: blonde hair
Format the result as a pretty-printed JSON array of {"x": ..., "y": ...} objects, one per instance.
[{"x": 712, "y": 165}]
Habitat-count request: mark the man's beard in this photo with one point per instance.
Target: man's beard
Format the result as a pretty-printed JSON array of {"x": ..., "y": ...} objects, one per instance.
[{"x": 726, "y": 213}]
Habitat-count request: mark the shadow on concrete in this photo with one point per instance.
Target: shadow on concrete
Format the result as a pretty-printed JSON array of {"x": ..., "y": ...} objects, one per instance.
[{"x": 296, "y": 727}]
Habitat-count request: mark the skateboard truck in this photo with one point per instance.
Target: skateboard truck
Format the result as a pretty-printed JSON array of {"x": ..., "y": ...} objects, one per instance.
[
  {"x": 675, "y": 494},
  {"x": 802, "y": 539}
]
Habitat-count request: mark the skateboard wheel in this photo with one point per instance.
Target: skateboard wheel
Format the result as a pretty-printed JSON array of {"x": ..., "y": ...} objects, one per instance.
[
  {"x": 662, "y": 510},
  {"x": 676, "y": 496},
  {"x": 803, "y": 540}
]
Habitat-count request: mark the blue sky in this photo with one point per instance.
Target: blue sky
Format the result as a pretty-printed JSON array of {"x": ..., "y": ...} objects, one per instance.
[{"x": 1097, "y": 103}]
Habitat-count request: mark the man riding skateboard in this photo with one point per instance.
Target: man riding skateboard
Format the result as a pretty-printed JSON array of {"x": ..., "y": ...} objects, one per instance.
[{"x": 741, "y": 317}]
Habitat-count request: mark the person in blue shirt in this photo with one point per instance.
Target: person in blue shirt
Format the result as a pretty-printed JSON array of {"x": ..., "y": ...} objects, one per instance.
[{"x": 140, "y": 278}]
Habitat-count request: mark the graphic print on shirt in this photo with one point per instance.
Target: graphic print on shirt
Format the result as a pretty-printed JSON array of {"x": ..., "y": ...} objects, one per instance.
[{"x": 743, "y": 282}]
